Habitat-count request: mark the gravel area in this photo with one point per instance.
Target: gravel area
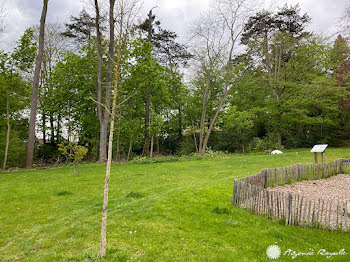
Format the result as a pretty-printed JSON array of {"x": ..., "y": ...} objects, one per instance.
[{"x": 336, "y": 187}]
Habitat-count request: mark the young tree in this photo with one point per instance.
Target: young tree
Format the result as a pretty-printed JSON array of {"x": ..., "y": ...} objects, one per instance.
[
  {"x": 126, "y": 16},
  {"x": 74, "y": 152},
  {"x": 33, "y": 108}
]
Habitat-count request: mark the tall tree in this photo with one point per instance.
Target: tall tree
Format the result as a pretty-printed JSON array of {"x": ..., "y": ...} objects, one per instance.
[
  {"x": 33, "y": 107},
  {"x": 100, "y": 110},
  {"x": 270, "y": 39},
  {"x": 216, "y": 36},
  {"x": 20, "y": 61},
  {"x": 148, "y": 26},
  {"x": 109, "y": 84},
  {"x": 81, "y": 28},
  {"x": 167, "y": 52},
  {"x": 54, "y": 50}
]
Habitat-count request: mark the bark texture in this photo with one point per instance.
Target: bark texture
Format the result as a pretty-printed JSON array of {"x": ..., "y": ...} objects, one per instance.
[
  {"x": 34, "y": 102},
  {"x": 111, "y": 131},
  {"x": 8, "y": 129},
  {"x": 100, "y": 110},
  {"x": 148, "y": 92}
]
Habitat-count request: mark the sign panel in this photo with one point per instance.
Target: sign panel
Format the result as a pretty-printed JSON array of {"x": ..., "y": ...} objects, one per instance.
[{"x": 318, "y": 148}]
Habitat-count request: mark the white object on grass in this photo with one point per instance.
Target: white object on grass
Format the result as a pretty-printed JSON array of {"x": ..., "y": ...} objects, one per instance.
[{"x": 276, "y": 152}]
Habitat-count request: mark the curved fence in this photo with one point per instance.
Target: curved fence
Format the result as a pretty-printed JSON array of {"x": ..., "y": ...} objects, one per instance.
[{"x": 252, "y": 194}]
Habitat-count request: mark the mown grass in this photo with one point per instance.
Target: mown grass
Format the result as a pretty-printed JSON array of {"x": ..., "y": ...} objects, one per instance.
[{"x": 165, "y": 211}]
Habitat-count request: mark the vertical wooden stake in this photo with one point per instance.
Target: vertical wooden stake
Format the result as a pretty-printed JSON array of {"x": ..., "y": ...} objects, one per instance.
[
  {"x": 316, "y": 161},
  {"x": 234, "y": 197},
  {"x": 329, "y": 215},
  {"x": 346, "y": 215},
  {"x": 340, "y": 166},
  {"x": 323, "y": 158}
]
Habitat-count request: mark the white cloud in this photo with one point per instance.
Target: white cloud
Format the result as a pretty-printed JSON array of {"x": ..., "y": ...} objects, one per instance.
[{"x": 175, "y": 15}]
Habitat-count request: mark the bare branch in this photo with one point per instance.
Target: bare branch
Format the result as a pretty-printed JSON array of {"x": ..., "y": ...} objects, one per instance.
[{"x": 101, "y": 104}]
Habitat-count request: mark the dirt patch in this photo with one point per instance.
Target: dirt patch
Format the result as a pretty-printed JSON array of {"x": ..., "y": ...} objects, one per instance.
[
  {"x": 324, "y": 202},
  {"x": 336, "y": 187}
]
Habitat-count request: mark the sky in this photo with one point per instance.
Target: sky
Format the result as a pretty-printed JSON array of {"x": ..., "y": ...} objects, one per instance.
[{"x": 175, "y": 15}]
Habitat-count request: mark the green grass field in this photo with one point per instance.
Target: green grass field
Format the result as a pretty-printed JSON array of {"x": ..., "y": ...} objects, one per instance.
[{"x": 167, "y": 211}]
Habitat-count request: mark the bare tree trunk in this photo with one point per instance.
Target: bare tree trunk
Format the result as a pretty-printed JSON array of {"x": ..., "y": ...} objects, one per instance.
[
  {"x": 157, "y": 145},
  {"x": 151, "y": 151},
  {"x": 44, "y": 126},
  {"x": 69, "y": 123},
  {"x": 118, "y": 135},
  {"x": 111, "y": 48},
  {"x": 52, "y": 138},
  {"x": 111, "y": 131},
  {"x": 102, "y": 137},
  {"x": 58, "y": 133},
  {"x": 194, "y": 137},
  {"x": 223, "y": 99},
  {"x": 206, "y": 139},
  {"x": 180, "y": 125},
  {"x": 8, "y": 129},
  {"x": 147, "y": 113},
  {"x": 34, "y": 102},
  {"x": 130, "y": 149},
  {"x": 148, "y": 92},
  {"x": 204, "y": 109}
]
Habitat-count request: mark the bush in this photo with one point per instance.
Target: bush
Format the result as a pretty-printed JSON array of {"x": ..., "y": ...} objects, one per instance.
[
  {"x": 73, "y": 152},
  {"x": 265, "y": 143}
]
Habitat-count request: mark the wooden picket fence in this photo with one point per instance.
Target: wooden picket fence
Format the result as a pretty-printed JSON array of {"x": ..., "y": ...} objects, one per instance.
[{"x": 251, "y": 194}]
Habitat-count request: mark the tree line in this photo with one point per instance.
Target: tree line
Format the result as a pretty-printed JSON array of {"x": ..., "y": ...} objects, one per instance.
[{"x": 248, "y": 80}]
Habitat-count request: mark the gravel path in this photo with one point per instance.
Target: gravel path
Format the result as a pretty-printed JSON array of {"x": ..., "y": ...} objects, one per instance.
[{"x": 336, "y": 187}]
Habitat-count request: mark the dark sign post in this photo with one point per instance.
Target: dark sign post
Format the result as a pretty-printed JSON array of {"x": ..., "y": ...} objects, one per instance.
[{"x": 319, "y": 149}]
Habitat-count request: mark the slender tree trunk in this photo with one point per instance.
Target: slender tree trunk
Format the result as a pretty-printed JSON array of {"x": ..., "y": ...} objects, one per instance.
[
  {"x": 148, "y": 92},
  {"x": 8, "y": 128},
  {"x": 111, "y": 131},
  {"x": 118, "y": 135},
  {"x": 111, "y": 52},
  {"x": 58, "y": 133},
  {"x": 194, "y": 137},
  {"x": 130, "y": 149},
  {"x": 147, "y": 119},
  {"x": 223, "y": 99},
  {"x": 69, "y": 123},
  {"x": 204, "y": 110},
  {"x": 34, "y": 104},
  {"x": 158, "y": 146},
  {"x": 102, "y": 137},
  {"x": 151, "y": 151},
  {"x": 180, "y": 126},
  {"x": 52, "y": 128},
  {"x": 44, "y": 126}
]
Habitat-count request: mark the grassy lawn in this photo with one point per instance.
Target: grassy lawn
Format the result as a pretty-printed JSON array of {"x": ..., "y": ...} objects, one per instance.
[{"x": 170, "y": 211}]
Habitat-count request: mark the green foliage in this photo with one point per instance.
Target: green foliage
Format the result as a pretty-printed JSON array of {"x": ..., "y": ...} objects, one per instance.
[
  {"x": 293, "y": 90},
  {"x": 47, "y": 154},
  {"x": 15, "y": 92},
  {"x": 73, "y": 152},
  {"x": 265, "y": 143}
]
